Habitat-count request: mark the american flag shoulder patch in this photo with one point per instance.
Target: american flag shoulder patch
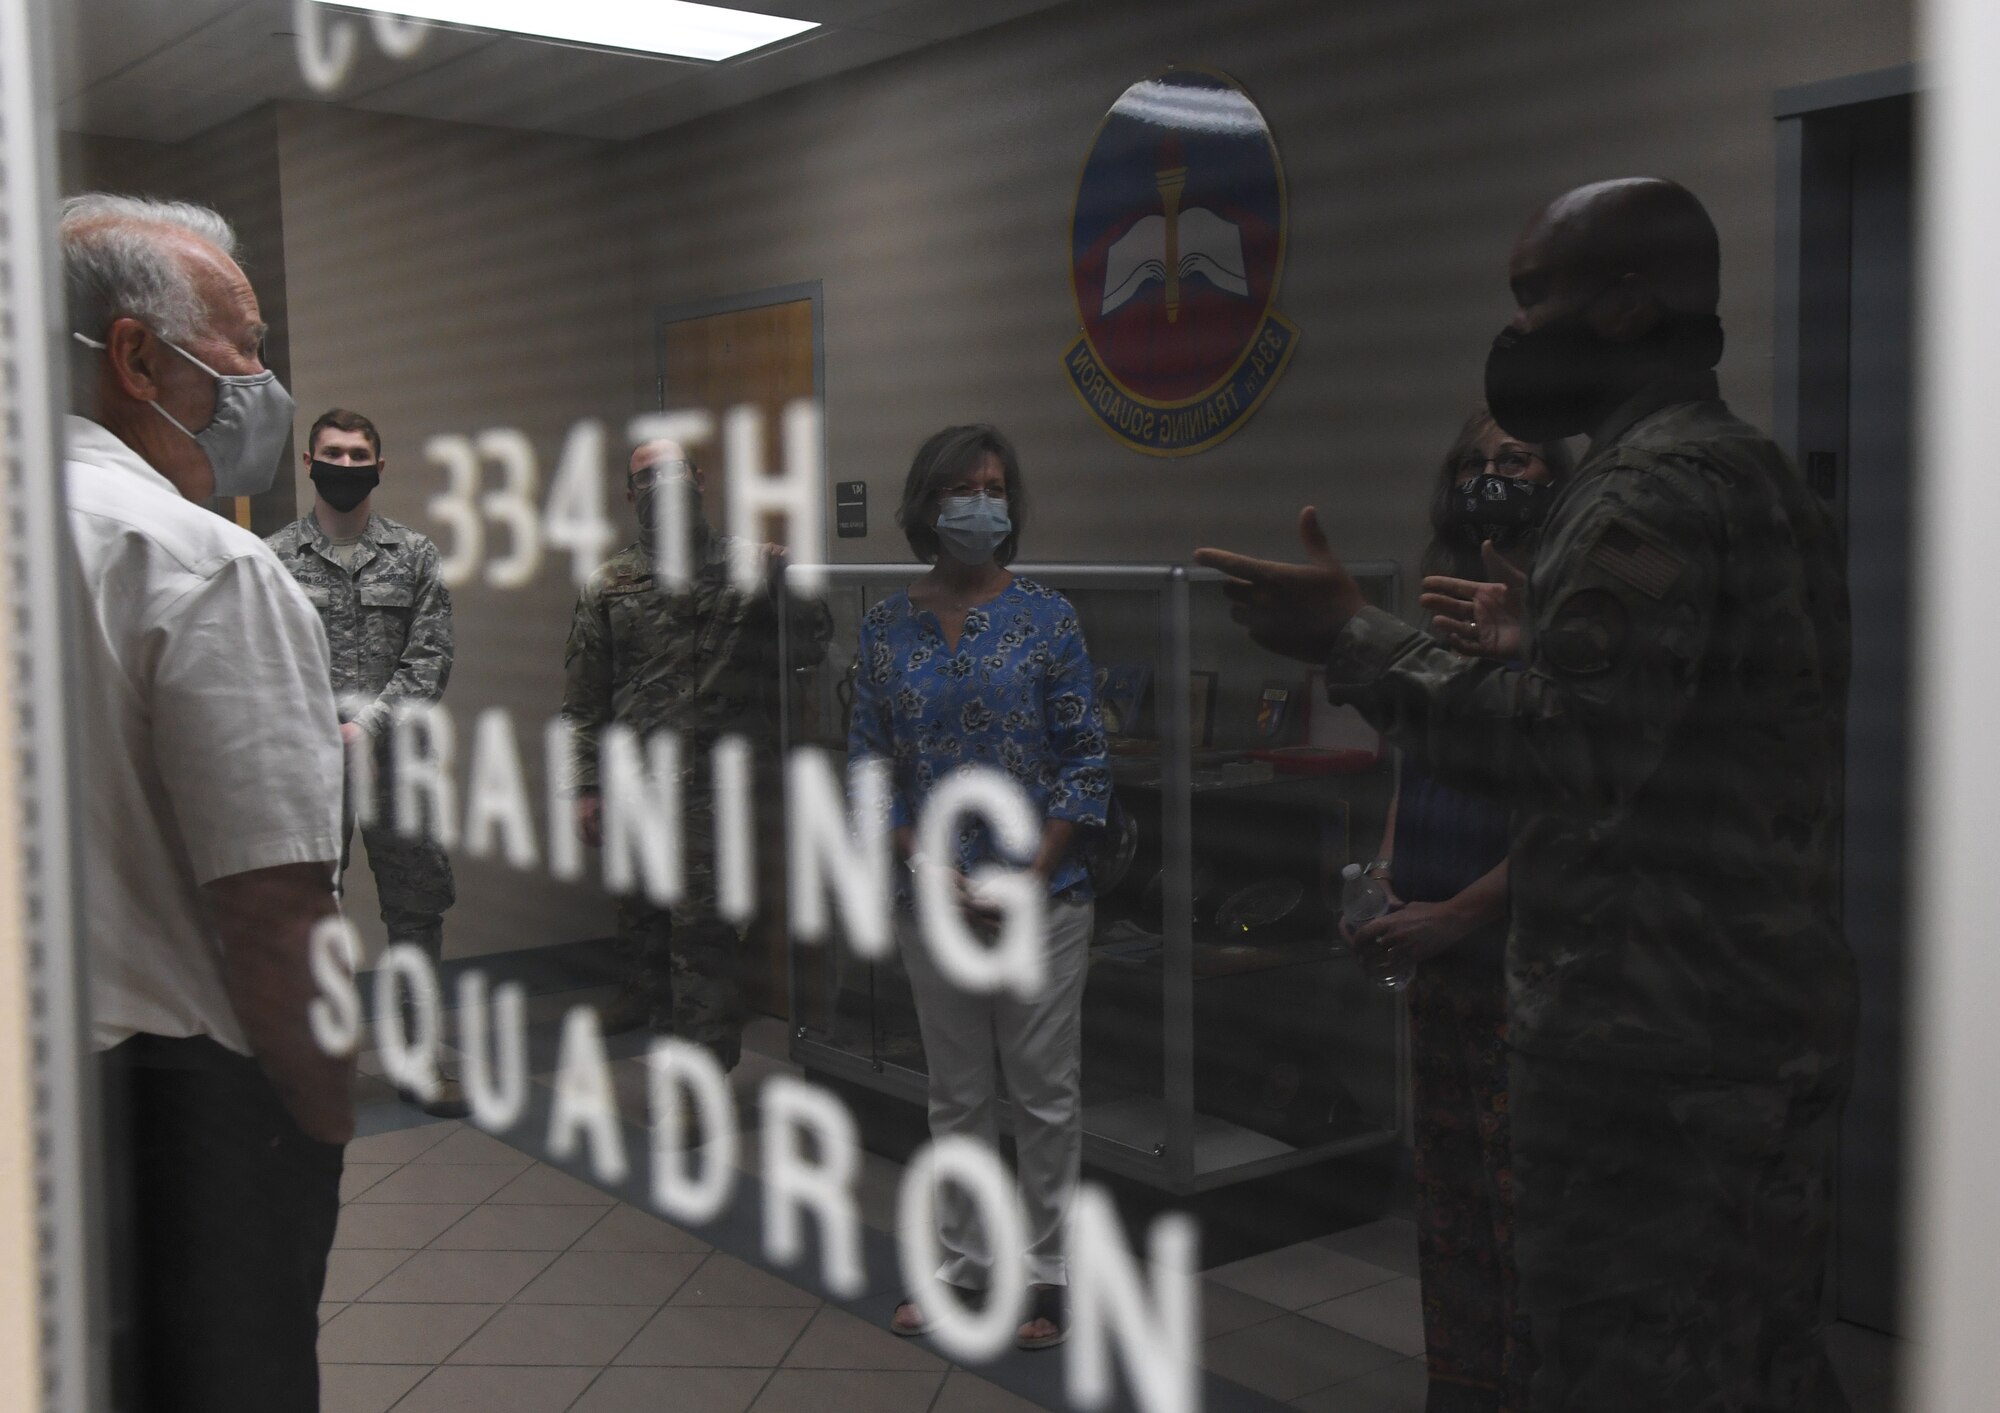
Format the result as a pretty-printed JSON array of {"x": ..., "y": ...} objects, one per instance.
[{"x": 1627, "y": 555}]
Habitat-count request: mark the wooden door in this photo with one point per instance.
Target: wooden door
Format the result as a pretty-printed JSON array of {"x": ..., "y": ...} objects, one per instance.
[{"x": 762, "y": 356}]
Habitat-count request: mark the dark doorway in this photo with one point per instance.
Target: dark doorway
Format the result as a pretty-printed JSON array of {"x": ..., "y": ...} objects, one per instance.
[{"x": 1844, "y": 402}]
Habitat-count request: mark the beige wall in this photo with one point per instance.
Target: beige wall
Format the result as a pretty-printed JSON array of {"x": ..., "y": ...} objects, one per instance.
[
  {"x": 932, "y": 194},
  {"x": 446, "y": 279}
]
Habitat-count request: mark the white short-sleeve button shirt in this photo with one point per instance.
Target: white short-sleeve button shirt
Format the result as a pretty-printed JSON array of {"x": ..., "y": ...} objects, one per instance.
[{"x": 208, "y": 744}]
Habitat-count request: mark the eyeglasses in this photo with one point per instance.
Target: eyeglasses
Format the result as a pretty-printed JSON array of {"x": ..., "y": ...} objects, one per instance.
[
  {"x": 1508, "y": 461},
  {"x": 646, "y": 477}
]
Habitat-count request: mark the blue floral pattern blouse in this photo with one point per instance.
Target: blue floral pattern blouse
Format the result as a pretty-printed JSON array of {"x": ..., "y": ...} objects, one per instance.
[{"x": 1016, "y": 695}]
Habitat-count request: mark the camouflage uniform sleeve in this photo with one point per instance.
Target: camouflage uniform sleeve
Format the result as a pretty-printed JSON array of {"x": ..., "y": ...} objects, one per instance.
[
  {"x": 751, "y": 659},
  {"x": 425, "y": 666},
  {"x": 1619, "y": 611},
  {"x": 808, "y": 629},
  {"x": 586, "y": 703}
]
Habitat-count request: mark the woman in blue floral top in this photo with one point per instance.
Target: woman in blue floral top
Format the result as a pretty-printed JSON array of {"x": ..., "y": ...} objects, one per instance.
[{"x": 973, "y": 667}]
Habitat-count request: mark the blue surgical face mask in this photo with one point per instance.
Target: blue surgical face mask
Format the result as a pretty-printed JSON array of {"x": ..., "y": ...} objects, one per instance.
[
  {"x": 245, "y": 439},
  {"x": 971, "y": 527}
]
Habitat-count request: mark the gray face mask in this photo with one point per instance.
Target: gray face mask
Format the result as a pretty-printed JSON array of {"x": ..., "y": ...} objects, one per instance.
[
  {"x": 971, "y": 527},
  {"x": 646, "y": 487},
  {"x": 245, "y": 439}
]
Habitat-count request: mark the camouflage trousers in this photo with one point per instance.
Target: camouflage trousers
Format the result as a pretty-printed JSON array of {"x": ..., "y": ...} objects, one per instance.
[
  {"x": 412, "y": 875},
  {"x": 1672, "y": 1238},
  {"x": 413, "y": 880},
  {"x": 686, "y": 960}
]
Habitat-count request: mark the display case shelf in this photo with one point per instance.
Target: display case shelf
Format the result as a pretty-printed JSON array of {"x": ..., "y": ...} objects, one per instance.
[{"x": 1227, "y": 1035}]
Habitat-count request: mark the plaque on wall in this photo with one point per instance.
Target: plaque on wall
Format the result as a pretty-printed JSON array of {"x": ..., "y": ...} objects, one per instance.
[{"x": 1177, "y": 243}]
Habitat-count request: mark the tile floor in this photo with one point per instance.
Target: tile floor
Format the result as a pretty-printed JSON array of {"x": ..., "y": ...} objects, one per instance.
[{"x": 468, "y": 1277}]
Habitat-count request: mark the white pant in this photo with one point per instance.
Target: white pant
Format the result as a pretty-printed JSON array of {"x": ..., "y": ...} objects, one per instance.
[{"x": 1038, "y": 1046}]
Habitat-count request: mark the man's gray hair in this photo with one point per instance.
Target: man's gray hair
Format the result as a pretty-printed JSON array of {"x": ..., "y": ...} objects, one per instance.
[{"x": 115, "y": 265}]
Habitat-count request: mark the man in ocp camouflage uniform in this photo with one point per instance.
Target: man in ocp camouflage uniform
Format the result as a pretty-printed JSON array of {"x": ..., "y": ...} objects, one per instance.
[
  {"x": 387, "y": 615},
  {"x": 703, "y": 662},
  {"x": 1681, "y": 1002}
]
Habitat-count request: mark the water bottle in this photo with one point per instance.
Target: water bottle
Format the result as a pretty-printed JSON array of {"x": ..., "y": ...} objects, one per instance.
[{"x": 1363, "y": 899}]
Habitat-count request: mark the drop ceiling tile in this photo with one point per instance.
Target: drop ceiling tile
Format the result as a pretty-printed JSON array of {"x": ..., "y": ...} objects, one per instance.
[
  {"x": 525, "y": 84},
  {"x": 931, "y": 19},
  {"x": 266, "y": 34},
  {"x": 94, "y": 39},
  {"x": 727, "y": 85},
  {"x": 221, "y": 68},
  {"x": 265, "y": 70},
  {"x": 826, "y": 12},
  {"x": 150, "y": 114}
]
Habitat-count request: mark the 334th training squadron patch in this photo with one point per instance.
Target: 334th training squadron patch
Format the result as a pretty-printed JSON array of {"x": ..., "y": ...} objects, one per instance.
[{"x": 1176, "y": 247}]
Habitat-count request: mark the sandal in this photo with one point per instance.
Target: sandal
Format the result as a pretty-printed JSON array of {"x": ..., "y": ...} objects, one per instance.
[
  {"x": 918, "y": 1322},
  {"x": 1045, "y": 1303}
]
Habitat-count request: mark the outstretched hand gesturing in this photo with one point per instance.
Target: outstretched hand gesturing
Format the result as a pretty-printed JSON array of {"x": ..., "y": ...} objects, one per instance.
[
  {"x": 1480, "y": 619},
  {"x": 1293, "y": 609}
]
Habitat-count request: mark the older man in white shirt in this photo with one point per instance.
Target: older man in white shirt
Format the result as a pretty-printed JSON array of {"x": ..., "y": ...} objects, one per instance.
[{"x": 211, "y": 779}]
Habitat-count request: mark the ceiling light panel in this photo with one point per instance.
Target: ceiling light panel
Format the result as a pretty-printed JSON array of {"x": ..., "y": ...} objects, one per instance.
[{"x": 673, "y": 27}]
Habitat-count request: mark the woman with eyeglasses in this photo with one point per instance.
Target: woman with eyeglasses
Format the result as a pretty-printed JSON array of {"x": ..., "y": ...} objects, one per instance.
[
  {"x": 1443, "y": 859},
  {"x": 974, "y": 667}
]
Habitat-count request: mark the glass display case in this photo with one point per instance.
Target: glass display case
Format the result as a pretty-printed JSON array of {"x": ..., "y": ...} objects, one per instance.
[{"x": 1227, "y": 1031}]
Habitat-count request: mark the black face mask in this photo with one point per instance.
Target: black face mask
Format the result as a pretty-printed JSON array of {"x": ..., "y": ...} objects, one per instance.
[
  {"x": 1503, "y": 509},
  {"x": 1546, "y": 384},
  {"x": 1550, "y": 382},
  {"x": 645, "y": 499},
  {"x": 344, "y": 487}
]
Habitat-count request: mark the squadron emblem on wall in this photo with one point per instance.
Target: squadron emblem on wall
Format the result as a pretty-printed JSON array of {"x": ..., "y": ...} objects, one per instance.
[{"x": 1176, "y": 247}]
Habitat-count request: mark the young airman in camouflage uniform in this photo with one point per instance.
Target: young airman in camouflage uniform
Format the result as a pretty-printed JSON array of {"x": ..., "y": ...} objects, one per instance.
[
  {"x": 387, "y": 615},
  {"x": 702, "y": 662},
  {"x": 1681, "y": 1001}
]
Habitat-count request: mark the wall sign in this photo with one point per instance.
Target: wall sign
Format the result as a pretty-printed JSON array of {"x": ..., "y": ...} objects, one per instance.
[
  {"x": 850, "y": 509},
  {"x": 1176, "y": 246}
]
